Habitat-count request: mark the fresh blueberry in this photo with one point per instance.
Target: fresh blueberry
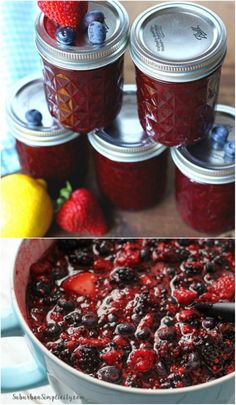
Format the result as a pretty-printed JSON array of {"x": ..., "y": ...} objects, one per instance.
[
  {"x": 96, "y": 33},
  {"x": 219, "y": 134},
  {"x": 143, "y": 334},
  {"x": 110, "y": 374},
  {"x": 167, "y": 333},
  {"x": 34, "y": 118},
  {"x": 90, "y": 320},
  {"x": 229, "y": 149},
  {"x": 125, "y": 329},
  {"x": 65, "y": 35},
  {"x": 91, "y": 16},
  {"x": 124, "y": 275}
]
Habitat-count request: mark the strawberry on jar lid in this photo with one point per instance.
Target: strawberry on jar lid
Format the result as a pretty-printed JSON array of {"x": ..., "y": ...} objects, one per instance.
[
  {"x": 211, "y": 160},
  {"x": 178, "y": 42},
  {"x": 84, "y": 54}
]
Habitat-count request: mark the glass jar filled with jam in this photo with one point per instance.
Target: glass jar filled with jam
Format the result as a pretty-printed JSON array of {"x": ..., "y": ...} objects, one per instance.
[
  {"x": 178, "y": 50},
  {"x": 84, "y": 81},
  {"x": 205, "y": 185},
  {"x": 46, "y": 150},
  {"x": 131, "y": 169}
]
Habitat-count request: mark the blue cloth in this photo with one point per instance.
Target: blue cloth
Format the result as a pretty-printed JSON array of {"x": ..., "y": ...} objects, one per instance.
[{"x": 18, "y": 58}]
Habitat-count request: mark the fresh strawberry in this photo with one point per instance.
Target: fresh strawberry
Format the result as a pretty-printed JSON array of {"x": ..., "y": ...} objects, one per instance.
[
  {"x": 65, "y": 13},
  {"x": 80, "y": 212},
  {"x": 82, "y": 283}
]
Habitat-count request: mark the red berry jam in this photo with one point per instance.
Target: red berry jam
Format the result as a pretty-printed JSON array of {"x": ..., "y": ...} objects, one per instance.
[
  {"x": 46, "y": 149},
  {"x": 177, "y": 70},
  {"x": 83, "y": 82},
  {"x": 122, "y": 310},
  {"x": 131, "y": 170},
  {"x": 205, "y": 177},
  {"x": 132, "y": 186},
  {"x": 56, "y": 164},
  {"x": 171, "y": 114},
  {"x": 205, "y": 207}
]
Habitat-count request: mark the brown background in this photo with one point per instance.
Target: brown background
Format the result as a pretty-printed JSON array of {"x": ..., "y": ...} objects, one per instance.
[{"x": 163, "y": 219}]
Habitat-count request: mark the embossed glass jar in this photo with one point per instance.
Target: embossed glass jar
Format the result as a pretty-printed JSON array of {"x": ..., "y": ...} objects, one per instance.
[
  {"x": 205, "y": 185},
  {"x": 178, "y": 50},
  {"x": 83, "y": 82},
  {"x": 131, "y": 169},
  {"x": 48, "y": 151}
]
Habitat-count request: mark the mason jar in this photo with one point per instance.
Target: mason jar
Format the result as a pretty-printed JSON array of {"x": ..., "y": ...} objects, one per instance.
[
  {"x": 47, "y": 151},
  {"x": 205, "y": 177},
  {"x": 178, "y": 50},
  {"x": 131, "y": 169},
  {"x": 83, "y": 82}
]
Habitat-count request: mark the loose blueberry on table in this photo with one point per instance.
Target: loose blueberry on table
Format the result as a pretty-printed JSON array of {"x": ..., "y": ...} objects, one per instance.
[{"x": 121, "y": 310}]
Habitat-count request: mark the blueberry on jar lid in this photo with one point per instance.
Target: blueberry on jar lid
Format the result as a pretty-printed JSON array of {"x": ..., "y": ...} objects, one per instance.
[
  {"x": 65, "y": 35},
  {"x": 229, "y": 149},
  {"x": 34, "y": 118},
  {"x": 97, "y": 33},
  {"x": 91, "y": 16},
  {"x": 219, "y": 134}
]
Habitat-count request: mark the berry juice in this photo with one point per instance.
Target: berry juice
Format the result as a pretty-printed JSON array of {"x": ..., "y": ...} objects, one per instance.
[
  {"x": 177, "y": 70},
  {"x": 131, "y": 170},
  {"x": 83, "y": 82},
  {"x": 204, "y": 184},
  {"x": 121, "y": 310}
]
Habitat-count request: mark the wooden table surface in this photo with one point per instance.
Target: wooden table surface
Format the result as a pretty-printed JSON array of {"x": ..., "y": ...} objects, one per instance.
[{"x": 163, "y": 219}]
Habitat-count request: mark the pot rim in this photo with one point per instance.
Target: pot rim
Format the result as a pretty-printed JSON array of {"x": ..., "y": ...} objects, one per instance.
[{"x": 93, "y": 380}]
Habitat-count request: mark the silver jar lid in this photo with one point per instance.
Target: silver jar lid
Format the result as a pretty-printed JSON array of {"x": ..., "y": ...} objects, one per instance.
[
  {"x": 178, "y": 42},
  {"x": 206, "y": 161},
  {"x": 87, "y": 56},
  {"x": 125, "y": 140},
  {"x": 28, "y": 94}
]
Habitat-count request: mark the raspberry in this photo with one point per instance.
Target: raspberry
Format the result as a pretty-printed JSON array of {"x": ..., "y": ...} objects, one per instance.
[
  {"x": 142, "y": 360},
  {"x": 223, "y": 288},
  {"x": 185, "y": 297}
]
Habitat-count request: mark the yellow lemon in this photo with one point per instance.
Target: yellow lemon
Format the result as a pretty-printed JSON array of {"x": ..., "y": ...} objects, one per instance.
[{"x": 26, "y": 209}]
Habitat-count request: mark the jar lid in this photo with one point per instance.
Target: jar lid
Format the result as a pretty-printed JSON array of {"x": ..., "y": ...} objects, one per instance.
[
  {"x": 125, "y": 140},
  {"x": 28, "y": 94},
  {"x": 207, "y": 161},
  {"x": 87, "y": 56},
  {"x": 178, "y": 42}
]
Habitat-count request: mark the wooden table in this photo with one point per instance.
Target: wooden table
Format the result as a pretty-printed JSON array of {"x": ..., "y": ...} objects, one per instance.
[{"x": 163, "y": 219}]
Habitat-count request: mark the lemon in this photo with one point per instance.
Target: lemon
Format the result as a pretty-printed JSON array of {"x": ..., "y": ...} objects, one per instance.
[{"x": 26, "y": 209}]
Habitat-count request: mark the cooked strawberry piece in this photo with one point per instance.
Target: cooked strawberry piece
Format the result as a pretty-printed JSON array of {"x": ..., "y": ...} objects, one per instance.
[{"x": 82, "y": 284}]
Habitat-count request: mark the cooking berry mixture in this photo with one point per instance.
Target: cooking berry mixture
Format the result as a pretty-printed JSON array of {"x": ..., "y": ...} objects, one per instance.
[{"x": 123, "y": 310}]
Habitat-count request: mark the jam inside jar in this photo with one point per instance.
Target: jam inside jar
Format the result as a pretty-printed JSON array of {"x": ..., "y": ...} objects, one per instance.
[
  {"x": 205, "y": 207},
  {"x": 177, "y": 71},
  {"x": 130, "y": 168},
  {"x": 205, "y": 185},
  {"x": 132, "y": 186},
  {"x": 46, "y": 150},
  {"x": 84, "y": 82}
]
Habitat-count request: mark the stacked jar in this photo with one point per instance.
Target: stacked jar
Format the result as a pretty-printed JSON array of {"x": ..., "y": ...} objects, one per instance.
[
  {"x": 178, "y": 50},
  {"x": 46, "y": 150}
]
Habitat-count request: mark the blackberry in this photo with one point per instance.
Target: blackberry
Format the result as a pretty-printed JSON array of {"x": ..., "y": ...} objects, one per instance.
[
  {"x": 41, "y": 289},
  {"x": 87, "y": 358},
  {"x": 141, "y": 304},
  {"x": 211, "y": 351},
  {"x": 124, "y": 275},
  {"x": 74, "y": 318},
  {"x": 81, "y": 258},
  {"x": 52, "y": 331}
]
